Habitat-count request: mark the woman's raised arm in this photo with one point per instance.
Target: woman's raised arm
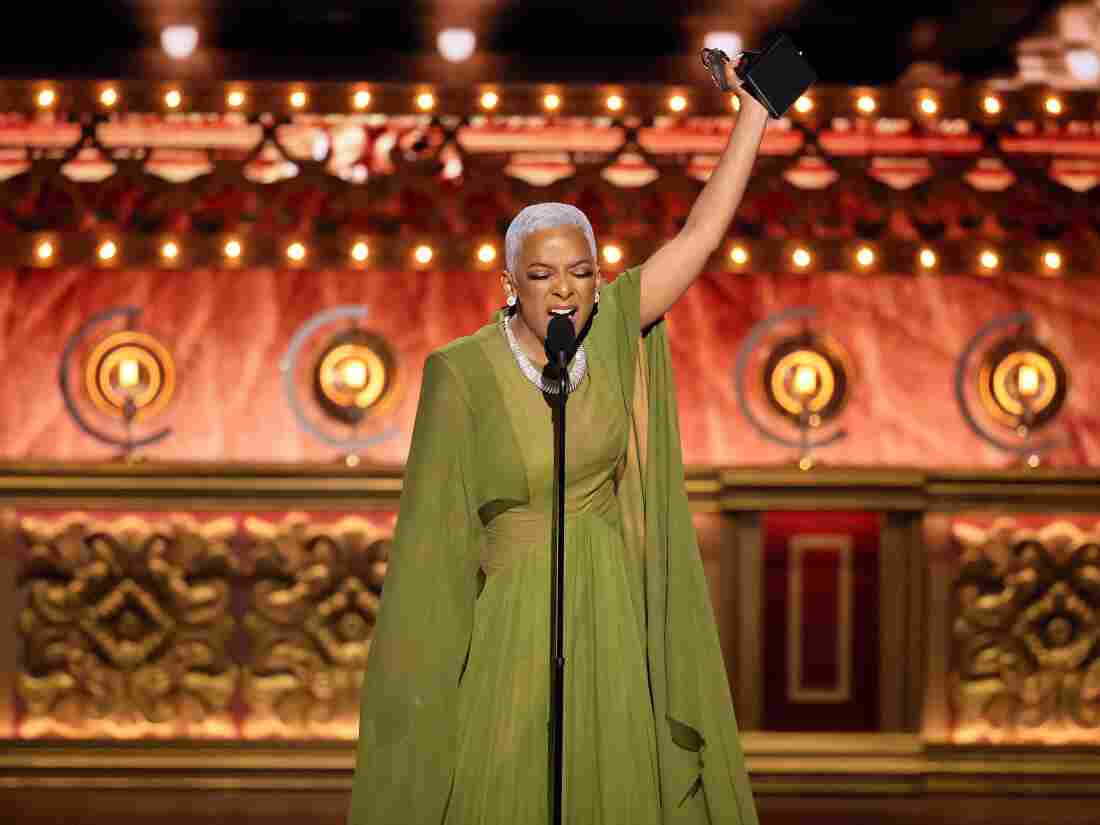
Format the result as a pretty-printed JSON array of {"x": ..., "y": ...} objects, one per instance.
[{"x": 676, "y": 264}]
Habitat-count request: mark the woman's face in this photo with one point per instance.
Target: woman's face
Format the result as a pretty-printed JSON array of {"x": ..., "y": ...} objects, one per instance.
[{"x": 555, "y": 271}]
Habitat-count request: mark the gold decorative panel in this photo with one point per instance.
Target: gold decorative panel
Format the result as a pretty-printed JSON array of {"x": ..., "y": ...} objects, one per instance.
[
  {"x": 312, "y": 610},
  {"x": 1026, "y": 631},
  {"x": 126, "y": 627}
]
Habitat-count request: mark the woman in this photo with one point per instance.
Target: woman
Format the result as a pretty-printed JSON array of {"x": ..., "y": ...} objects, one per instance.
[{"x": 454, "y": 722}]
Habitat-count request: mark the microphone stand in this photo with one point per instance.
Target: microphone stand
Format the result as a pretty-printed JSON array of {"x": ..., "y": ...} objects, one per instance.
[{"x": 557, "y": 601}]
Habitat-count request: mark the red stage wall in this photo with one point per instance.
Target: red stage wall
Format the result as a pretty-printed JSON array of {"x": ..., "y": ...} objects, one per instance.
[{"x": 228, "y": 330}]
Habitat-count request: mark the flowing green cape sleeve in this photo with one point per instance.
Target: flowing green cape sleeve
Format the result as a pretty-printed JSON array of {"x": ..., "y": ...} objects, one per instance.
[
  {"x": 698, "y": 743},
  {"x": 407, "y": 724}
]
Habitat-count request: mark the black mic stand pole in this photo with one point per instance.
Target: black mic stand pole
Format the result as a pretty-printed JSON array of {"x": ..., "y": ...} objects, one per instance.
[{"x": 557, "y": 597}]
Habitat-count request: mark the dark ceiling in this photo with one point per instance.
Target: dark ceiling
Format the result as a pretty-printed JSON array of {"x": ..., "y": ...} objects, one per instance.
[{"x": 626, "y": 41}]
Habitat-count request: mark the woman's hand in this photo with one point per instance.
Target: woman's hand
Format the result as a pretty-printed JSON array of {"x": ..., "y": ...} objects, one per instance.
[{"x": 747, "y": 101}]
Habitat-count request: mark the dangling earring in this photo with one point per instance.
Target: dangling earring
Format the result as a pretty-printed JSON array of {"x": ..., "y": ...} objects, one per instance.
[
  {"x": 597, "y": 298},
  {"x": 511, "y": 300}
]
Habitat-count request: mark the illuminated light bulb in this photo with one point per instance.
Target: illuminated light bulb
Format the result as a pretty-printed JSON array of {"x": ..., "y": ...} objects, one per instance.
[
  {"x": 865, "y": 256},
  {"x": 1027, "y": 380},
  {"x": 805, "y": 380},
  {"x": 109, "y": 96},
  {"x": 1052, "y": 259},
  {"x": 551, "y": 102},
  {"x": 614, "y": 103},
  {"x": 486, "y": 253},
  {"x": 44, "y": 251},
  {"x": 360, "y": 251},
  {"x": 991, "y": 105},
  {"x": 804, "y": 104},
  {"x": 107, "y": 250},
  {"x": 129, "y": 373},
  {"x": 298, "y": 99},
  {"x": 296, "y": 251},
  {"x": 425, "y": 101},
  {"x": 235, "y": 99},
  {"x": 179, "y": 42},
  {"x": 735, "y": 102},
  {"x": 46, "y": 98},
  {"x": 927, "y": 258},
  {"x": 1084, "y": 64},
  {"x": 866, "y": 104},
  {"x": 170, "y": 250},
  {"x": 361, "y": 99},
  {"x": 489, "y": 100},
  {"x": 801, "y": 258},
  {"x": 1053, "y": 105},
  {"x": 423, "y": 254},
  {"x": 173, "y": 98},
  {"x": 677, "y": 103},
  {"x": 928, "y": 105},
  {"x": 739, "y": 255},
  {"x": 353, "y": 372},
  {"x": 612, "y": 253},
  {"x": 456, "y": 45},
  {"x": 989, "y": 259},
  {"x": 233, "y": 249}
]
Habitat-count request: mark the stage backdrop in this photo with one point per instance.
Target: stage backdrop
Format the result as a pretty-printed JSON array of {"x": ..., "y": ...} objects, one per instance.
[{"x": 228, "y": 330}]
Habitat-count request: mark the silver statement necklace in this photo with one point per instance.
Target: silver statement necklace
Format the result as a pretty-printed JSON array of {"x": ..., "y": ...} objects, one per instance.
[{"x": 533, "y": 373}]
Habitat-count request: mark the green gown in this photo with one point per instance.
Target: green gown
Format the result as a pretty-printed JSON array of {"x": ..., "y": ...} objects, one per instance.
[{"x": 454, "y": 719}]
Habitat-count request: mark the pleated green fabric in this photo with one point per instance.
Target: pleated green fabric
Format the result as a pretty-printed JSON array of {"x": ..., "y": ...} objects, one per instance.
[{"x": 454, "y": 719}]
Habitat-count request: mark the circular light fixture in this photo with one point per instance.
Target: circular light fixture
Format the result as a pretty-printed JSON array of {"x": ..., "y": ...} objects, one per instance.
[
  {"x": 489, "y": 100},
  {"x": 360, "y": 251},
  {"x": 361, "y": 99},
  {"x": 486, "y": 253},
  {"x": 423, "y": 254},
  {"x": 179, "y": 42},
  {"x": 173, "y": 98},
  {"x": 129, "y": 374},
  {"x": 456, "y": 45},
  {"x": 612, "y": 253},
  {"x": 1022, "y": 384},
  {"x": 354, "y": 376},
  {"x": 235, "y": 98},
  {"x": 806, "y": 379}
]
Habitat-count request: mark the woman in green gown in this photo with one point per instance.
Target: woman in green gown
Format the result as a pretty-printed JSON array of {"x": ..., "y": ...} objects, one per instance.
[{"x": 454, "y": 725}]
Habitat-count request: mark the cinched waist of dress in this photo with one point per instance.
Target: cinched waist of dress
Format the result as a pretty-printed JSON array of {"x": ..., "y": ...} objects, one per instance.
[{"x": 521, "y": 529}]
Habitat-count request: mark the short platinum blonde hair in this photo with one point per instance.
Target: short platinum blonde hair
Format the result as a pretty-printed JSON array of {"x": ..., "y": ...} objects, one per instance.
[{"x": 540, "y": 216}]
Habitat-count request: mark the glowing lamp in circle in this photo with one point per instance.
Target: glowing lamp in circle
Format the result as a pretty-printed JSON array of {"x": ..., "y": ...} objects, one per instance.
[
  {"x": 353, "y": 372},
  {"x": 354, "y": 375},
  {"x": 806, "y": 379},
  {"x": 804, "y": 382},
  {"x": 1022, "y": 384},
  {"x": 129, "y": 375}
]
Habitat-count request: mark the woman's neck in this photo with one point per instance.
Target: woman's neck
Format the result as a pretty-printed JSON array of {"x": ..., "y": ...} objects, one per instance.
[{"x": 529, "y": 342}]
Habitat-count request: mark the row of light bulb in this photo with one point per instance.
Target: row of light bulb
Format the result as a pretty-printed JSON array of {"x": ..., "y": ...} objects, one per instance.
[
  {"x": 296, "y": 252},
  {"x": 865, "y": 257},
  {"x": 361, "y": 99},
  {"x": 801, "y": 257}
]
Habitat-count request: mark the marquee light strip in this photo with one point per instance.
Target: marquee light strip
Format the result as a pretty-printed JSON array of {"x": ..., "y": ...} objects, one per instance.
[
  {"x": 979, "y": 102},
  {"x": 51, "y": 250}
]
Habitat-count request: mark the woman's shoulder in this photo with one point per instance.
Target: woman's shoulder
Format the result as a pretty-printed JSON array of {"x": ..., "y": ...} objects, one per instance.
[{"x": 464, "y": 359}]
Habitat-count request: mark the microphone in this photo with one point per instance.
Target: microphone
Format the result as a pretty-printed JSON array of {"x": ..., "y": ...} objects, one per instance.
[{"x": 560, "y": 340}]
